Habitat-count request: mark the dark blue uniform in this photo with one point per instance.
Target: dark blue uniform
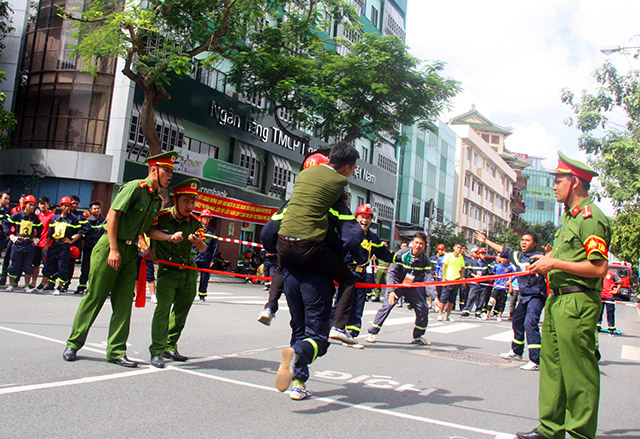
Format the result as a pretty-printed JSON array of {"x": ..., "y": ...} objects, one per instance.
[
  {"x": 205, "y": 259},
  {"x": 26, "y": 227},
  {"x": 91, "y": 231},
  {"x": 358, "y": 260},
  {"x": 5, "y": 213},
  {"x": 58, "y": 255},
  {"x": 476, "y": 290},
  {"x": 533, "y": 294},
  {"x": 420, "y": 270}
]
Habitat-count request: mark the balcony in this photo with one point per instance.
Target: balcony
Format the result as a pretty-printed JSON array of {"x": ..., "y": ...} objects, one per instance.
[
  {"x": 517, "y": 205},
  {"x": 521, "y": 182}
]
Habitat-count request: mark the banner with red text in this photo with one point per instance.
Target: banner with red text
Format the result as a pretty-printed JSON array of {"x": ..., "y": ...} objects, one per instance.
[{"x": 229, "y": 208}]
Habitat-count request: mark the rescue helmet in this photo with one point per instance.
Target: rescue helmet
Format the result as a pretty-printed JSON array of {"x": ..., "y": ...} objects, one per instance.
[
  {"x": 482, "y": 250},
  {"x": 65, "y": 200},
  {"x": 440, "y": 247},
  {"x": 206, "y": 212},
  {"x": 74, "y": 252},
  {"x": 85, "y": 214},
  {"x": 364, "y": 209},
  {"x": 29, "y": 199},
  {"x": 315, "y": 159}
]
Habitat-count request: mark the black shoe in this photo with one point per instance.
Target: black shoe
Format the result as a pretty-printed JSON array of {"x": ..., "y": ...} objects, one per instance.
[
  {"x": 157, "y": 361},
  {"x": 49, "y": 287},
  {"x": 202, "y": 298},
  {"x": 175, "y": 355},
  {"x": 533, "y": 434},
  {"x": 69, "y": 354},
  {"x": 124, "y": 362},
  {"x": 80, "y": 290}
]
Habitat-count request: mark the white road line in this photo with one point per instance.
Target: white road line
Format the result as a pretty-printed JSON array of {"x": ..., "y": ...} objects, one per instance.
[
  {"x": 42, "y": 337},
  {"x": 399, "y": 321},
  {"x": 630, "y": 353},
  {"x": 86, "y": 380},
  {"x": 239, "y": 297},
  {"x": 501, "y": 336},
  {"x": 242, "y": 302},
  {"x": 370, "y": 312},
  {"x": 495, "y": 434},
  {"x": 455, "y": 327}
]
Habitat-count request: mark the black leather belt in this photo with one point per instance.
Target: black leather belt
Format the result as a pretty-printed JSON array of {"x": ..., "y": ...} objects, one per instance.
[
  {"x": 567, "y": 290},
  {"x": 354, "y": 267},
  {"x": 127, "y": 242}
]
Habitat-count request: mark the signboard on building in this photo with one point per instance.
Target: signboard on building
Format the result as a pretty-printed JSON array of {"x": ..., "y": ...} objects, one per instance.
[{"x": 200, "y": 165}]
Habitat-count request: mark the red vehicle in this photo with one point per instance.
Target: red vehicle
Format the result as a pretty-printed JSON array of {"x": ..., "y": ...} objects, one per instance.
[{"x": 623, "y": 269}]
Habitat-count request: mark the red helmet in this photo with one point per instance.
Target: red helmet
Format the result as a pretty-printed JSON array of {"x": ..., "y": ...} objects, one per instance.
[
  {"x": 74, "y": 252},
  {"x": 65, "y": 200},
  {"x": 315, "y": 159},
  {"x": 482, "y": 250},
  {"x": 85, "y": 214},
  {"x": 29, "y": 199},
  {"x": 440, "y": 247},
  {"x": 364, "y": 209},
  {"x": 206, "y": 212}
]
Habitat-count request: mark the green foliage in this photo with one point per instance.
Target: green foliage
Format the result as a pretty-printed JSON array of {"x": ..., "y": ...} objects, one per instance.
[
  {"x": 446, "y": 234},
  {"x": 625, "y": 240},
  {"x": 374, "y": 87},
  {"x": 504, "y": 236},
  {"x": 279, "y": 49},
  {"x": 616, "y": 151}
]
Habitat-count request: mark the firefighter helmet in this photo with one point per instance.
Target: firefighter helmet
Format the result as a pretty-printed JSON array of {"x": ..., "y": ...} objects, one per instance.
[
  {"x": 364, "y": 209},
  {"x": 315, "y": 159}
]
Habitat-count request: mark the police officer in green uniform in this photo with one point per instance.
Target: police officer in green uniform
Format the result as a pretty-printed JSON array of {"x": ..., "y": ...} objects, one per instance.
[
  {"x": 569, "y": 373},
  {"x": 176, "y": 286},
  {"x": 113, "y": 260}
]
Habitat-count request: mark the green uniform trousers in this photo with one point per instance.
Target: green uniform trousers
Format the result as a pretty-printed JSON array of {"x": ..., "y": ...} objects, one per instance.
[
  {"x": 104, "y": 280},
  {"x": 569, "y": 372},
  {"x": 175, "y": 288}
]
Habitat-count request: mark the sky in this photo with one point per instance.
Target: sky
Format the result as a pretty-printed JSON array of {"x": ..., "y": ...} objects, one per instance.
[{"x": 513, "y": 59}]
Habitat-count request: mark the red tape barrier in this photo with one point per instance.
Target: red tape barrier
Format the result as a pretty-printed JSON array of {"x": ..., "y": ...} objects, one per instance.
[{"x": 369, "y": 285}]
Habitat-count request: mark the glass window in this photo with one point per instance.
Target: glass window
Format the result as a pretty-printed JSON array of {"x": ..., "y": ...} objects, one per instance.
[{"x": 495, "y": 140}]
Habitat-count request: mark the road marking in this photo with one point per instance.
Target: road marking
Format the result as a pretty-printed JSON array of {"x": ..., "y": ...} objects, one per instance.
[
  {"x": 495, "y": 434},
  {"x": 42, "y": 337},
  {"x": 630, "y": 353},
  {"x": 240, "y": 302},
  {"x": 94, "y": 379},
  {"x": 239, "y": 297},
  {"x": 455, "y": 327},
  {"x": 399, "y": 321},
  {"x": 501, "y": 336}
]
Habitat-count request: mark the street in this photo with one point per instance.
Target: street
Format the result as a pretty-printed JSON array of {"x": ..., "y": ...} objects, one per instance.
[{"x": 458, "y": 387}]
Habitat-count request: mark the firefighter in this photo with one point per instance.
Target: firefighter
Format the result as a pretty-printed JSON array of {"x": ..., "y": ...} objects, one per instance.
[
  {"x": 408, "y": 265},
  {"x": 64, "y": 231},
  {"x": 92, "y": 232},
  {"x": 358, "y": 261},
  {"x": 26, "y": 230},
  {"x": 207, "y": 259}
]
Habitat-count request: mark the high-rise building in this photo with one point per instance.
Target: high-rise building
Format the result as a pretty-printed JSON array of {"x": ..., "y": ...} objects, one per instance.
[
  {"x": 484, "y": 179},
  {"x": 79, "y": 134},
  {"x": 539, "y": 196},
  {"x": 426, "y": 179}
]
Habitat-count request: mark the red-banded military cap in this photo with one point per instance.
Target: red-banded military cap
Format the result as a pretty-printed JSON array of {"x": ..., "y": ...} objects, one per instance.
[
  {"x": 567, "y": 166},
  {"x": 189, "y": 186},
  {"x": 166, "y": 159}
]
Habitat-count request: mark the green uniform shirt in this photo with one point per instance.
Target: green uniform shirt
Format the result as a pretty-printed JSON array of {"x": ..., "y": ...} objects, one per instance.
[
  {"x": 139, "y": 205},
  {"x": 584, "y": 234},
  {"x": 316, "y": 190},
  {"x": 182, "y": 252}
]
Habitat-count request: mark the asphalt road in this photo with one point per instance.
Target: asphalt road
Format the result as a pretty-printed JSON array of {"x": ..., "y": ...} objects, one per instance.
[{"x": 458, "y": 387}]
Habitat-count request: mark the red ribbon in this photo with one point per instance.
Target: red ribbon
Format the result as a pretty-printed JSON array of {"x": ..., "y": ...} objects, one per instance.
[{"x": 141, "y": 287}]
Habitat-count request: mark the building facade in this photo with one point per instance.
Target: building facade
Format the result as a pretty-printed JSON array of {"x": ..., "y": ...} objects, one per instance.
[
  {"x": 484, "y": 183},
  {"x": 539, "y": 196},
  {"x": 80, "y": 134},
  {"x": 426, "y": 179}
]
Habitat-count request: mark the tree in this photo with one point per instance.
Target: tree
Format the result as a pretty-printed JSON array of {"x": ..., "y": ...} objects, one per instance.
[
  {"x": 277, "y": 48},
  {"x": 445, "y": 233},
  {"x": 7, "y": 119},
  {"x": 625, "y": 239},
  {"x": 615, "y": 149},
  {"x": 508, "y": 237},
  {"x": 504, "y": 236}
]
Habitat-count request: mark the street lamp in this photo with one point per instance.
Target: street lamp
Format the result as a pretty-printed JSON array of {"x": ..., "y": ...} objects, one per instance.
[{"x": 613, "y": 50}]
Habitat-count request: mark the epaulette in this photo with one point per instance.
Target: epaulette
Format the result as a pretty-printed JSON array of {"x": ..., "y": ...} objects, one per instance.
[
  {"x": 194, "y": 217},
  {"x": 586, "y": 212},
  {"x": 164, "y": 212},
  {"x": 144, "y": 184},
  {"x": 576, "y": 210}
]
